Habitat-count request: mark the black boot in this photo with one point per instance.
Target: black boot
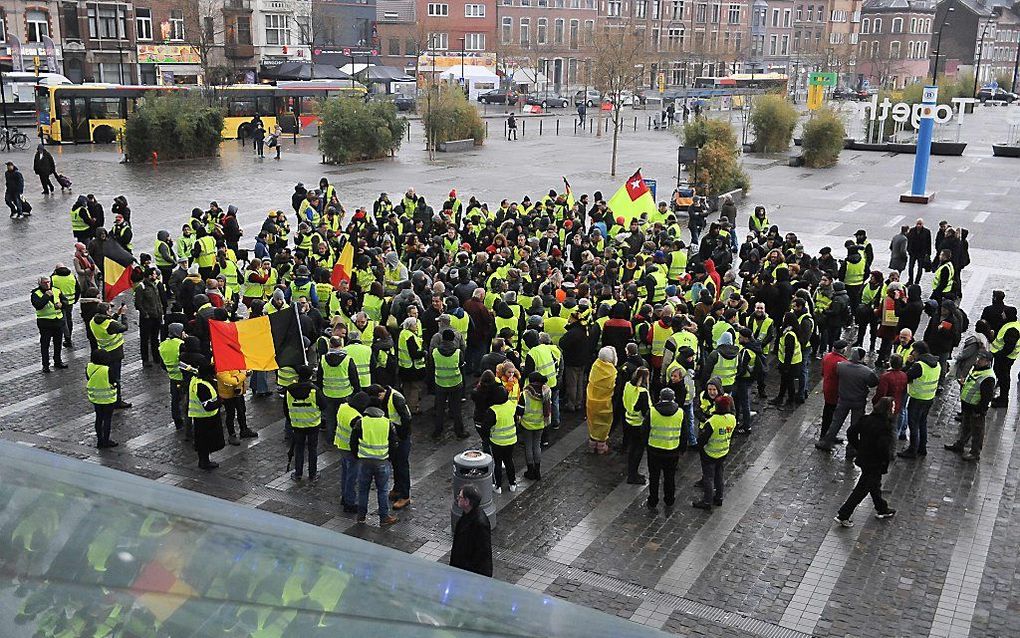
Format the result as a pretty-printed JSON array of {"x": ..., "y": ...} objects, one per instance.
[
  {"x": 530, "y": 472},
  {"x": 538, "y": 471}
]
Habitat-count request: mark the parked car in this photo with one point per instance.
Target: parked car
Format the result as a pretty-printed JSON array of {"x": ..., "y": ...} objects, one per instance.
[
  {"x": 997, "y": 94},
  {"x": 843, "y": 93},
  {"x": 405, "y": 102},
  {"x": 589, "y": 98},
  {"x": 498, "y": 96},
  {"x": 547, "y": 99}
]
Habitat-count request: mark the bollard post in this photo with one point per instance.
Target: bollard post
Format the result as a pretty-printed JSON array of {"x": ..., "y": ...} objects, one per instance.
[
  {"x": 635, "y": 122},
  {"x": 540, "y": 122},
  {"x": 575, "y": 127},
  {"x": 649, "y": 122},
  {"x": 557, "y": 126},
  {"x": 524, "y": 124}
]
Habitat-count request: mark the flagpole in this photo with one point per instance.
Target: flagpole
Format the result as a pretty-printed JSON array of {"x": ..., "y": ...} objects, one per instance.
[{"x": 304, "y": 350}]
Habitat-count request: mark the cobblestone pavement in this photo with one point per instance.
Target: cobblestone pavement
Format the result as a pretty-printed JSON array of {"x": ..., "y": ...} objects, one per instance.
[{"x": 769, "y": 562}]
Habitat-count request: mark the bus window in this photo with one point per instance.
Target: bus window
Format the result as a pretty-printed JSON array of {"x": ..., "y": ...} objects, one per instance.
[
  {"x": 266, "y": 105},
  {"x": 105, "y": 108},
  {"x": 241, "y": 108},
  {"x": 284, "y": 105},
  {"x": 309, "y": 105}
]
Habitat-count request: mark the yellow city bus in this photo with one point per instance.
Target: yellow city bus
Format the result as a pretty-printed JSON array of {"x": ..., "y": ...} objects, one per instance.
[
  {"x": 90, "y": 112},
  {"x": 294, "y": 105}
]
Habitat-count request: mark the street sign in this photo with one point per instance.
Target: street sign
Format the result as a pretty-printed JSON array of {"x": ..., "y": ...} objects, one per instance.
[
  {"x": 650, "y": 183},
  {"x": 347, "y": 52},
  {"x": 823, "y": 79}
]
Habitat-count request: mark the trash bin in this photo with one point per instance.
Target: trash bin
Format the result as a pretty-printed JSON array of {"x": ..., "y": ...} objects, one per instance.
[{"x": 472, "y": 467}]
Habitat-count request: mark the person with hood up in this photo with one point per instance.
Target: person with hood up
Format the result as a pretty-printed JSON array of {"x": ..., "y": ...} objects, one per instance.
[
  {"x": 14, "y": 190},
  {"x": 664, "y": 432},
  {"x": 232, "y": 231},
  {"x": 872, "y": 437},
  {"x": 394, "y": 272},
  {"x": 68, "y": 285},
  {"x": 714, "y": 439},
  {"x": 44, "y": 166},
  {"x": 854, "y": 381},
  {"x": 923, "y": 373},
  {"x": 204, "y": 413},
  {"x": 711, "y": 274},
  {"x": 149, "y": 297},
  {"x": 338, "y": 377},
  {"x": 231, "y": 386},
  {"x": 534, "y": 409},
  {"x": 384, "y": 357},
  {"x": 164, "y": 255},
  {"x": 599, "y": 399},
  {"x": 82, "y": 224},
  {"x": 303, "y": 409},
  {"x": 910, "y": 312},
  {"x": 834, "y": 317},
  {"x": 447, "y": 363},
  {"x": 487, "y": 393},
  {"x": 722, "y": 362}
]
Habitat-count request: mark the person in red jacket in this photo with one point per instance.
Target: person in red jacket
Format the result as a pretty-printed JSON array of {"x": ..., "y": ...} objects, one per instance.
[
  {"x": 893, "y": 384},
  {"x": 830, "y": 384}
]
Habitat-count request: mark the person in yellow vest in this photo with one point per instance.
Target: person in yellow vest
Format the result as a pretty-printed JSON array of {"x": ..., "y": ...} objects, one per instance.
[
  {"x": 502, "y": 439},
  {"x": 102, "y": 393},
  {"x": 371, "y": 440},
  {"x": 49, "y": 318},
  {"x": 170, "y": 355},
  {"x": 1005, "y": 348},
  {"x": 394, "y": 405},
  {"x": 534, "y": 409},
  {"x": 853, "y": 272},
  {"x": 204, "y": 252},
  {"x": 665, "y": 428},
  {"x": 636, "y": 404},
  {"x": 305, "y": 418},
  {"x": 338, "y": 377},
  {"x": 714, "y": 439},
  {"x": 942, "y": 281},
  {"x": 66, "y": 282},
  {"x": 547, "y": 360},
  {"x": 359, "y": 349},
  {"x": 411, "y": 362},
  {"x": 922, "y": 383},
  {"x": 722, "y": 362},
  {"x": 447, "y": 366},
  {"x": 790, "y": 358},
  {"x": 976, "y": 392},
  {"x": 348, "y": 417},
  {"x": 204, "y": 412}
]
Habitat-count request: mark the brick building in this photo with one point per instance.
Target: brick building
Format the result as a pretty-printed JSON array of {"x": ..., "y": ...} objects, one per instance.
[
  {"x": 989, "y": 26},
  {"x": 29, "y": 21},
  {"x": 552, "y": 37},
  {"x": 895, "y": 41},
  {"x": 169, "y": 36}
]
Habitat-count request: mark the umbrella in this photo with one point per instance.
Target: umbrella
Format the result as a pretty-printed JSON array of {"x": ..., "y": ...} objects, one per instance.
[{"x": 305, "y": 71}]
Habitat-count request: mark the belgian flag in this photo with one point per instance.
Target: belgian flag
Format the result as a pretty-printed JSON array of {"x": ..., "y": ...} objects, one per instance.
[
  {"x": 263, "y": 343},
  {"x": 116, "y": 269}
]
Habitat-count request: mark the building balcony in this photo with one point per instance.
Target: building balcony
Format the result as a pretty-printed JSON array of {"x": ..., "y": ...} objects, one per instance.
[
  {"x": 239, "y": 51},
  {"x": 237, "y": 6}
]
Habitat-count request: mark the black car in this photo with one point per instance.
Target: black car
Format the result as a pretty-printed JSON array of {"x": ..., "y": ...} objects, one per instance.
[
  {"x": 405, "y": 102},
  {"x": 996, "y": 95},
  {"x": 843, "y": 93},
  {"x": 498, "y": 96},
  {"x": 547, "y": 99}
]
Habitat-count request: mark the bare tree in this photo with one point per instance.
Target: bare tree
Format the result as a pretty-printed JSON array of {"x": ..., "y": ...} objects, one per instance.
[
  {"x": 204, "y": 31},
  {"x": 617, "y": 53}
]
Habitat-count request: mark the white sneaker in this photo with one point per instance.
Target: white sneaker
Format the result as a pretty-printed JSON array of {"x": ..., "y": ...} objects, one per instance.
[
  {"x": 844, "y": 522},
  {"x": 497, "y": 489},
  {"x": 513, "y": 487}
]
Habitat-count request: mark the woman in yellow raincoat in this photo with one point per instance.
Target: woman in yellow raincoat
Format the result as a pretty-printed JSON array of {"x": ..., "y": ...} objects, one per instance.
[{"x": 601, "y": 385}]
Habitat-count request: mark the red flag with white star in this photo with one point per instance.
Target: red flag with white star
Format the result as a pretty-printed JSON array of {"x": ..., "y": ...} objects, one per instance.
[{"x": 632, "y": 200}]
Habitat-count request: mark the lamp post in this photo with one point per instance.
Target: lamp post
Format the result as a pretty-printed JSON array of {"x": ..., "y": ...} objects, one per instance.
[
  {"x": 981, "y": 48},
  {"x": 938, "y": 43},
  {"x": 463, "y": 45}
]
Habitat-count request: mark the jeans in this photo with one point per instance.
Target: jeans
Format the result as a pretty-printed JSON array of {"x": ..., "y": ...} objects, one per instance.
[
  {"x": 742, "y": 399},
  {"x": 901, "y": 421},
  {"x": 234, "y": 408},
  {"x": 260, "y": 382},
  {"x": 532, "y": 446},
  {"x": 402, "y": 468},
  {"x": 712, "y": 479},
  {"x": 828, "y": 409},
  {"x": 475, "y": 352},
  {"x": 379, "y": 473},
  {"x": 662, "y": 464},
  {"x": 695, "y": 233},
  {"x": 47, "y": 185},
  {"x": 788, "y": 375},
  {"x": 68, "y": 324},
  {"x": 13, "y": 201},
  {"x": 329, "y": 408},
  {"x": 115, "y": 368},
  {"x": 176, "y": 403},
  {"x": 691, "y": 424},
  {"x": 104, "y": 420},
  {"x": 870, "y": 482},
  {"x": 805, "y": 372},
  {"x": 306, "y": 439},
  {"x": 148, "y": 337},
  {"x": 51, "y": 330},
  {"x": 573, "y": 380},
  {"x": 1002, "y": 366},
  {"x": 349, "y": 479},
  {"x": 917, "y": 419},
  {"x": 503, "y": 457},
  {"x": 555, "y": 421},
  {"x": 839, "y": 417},
  {"x": 449, "y": 397}
]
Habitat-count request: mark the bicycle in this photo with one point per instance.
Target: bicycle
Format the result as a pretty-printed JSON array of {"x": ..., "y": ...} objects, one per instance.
[{"x": 13, "y": 139}]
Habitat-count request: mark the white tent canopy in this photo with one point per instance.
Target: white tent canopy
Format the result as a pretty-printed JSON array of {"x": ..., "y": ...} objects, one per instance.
[
  {"x": 352, "y": 69},
  {"x": 479, "y": 79},
  {"x": 532, "y": 77}
]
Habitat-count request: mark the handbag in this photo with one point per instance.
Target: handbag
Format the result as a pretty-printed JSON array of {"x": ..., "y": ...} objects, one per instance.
[{"x": 25, "y": 206}]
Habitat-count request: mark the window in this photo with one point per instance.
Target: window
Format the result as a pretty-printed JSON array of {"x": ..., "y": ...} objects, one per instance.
[
  {"x": 208, "y": 29},
  {"x": 176, "y": 24},
  {"x": 701, "y": 12},
  {"x": 640, "y": 8},
  {"x": 437, "y": 9},
  {"x": 897, "y": 25},
  {"x": 866, "y": 26},
  {"x": 775, "y": 17},
  {"x": 589, "y": 32},
  {"x": 3, "y": 29},
  {"x": 525, "y": 32},
  {"x": 575, "y": 26},
  {"x": 677, "y": 10},
  {"x": 143, "y": 23},
  {"x": 773, "y": 44},
  {"x": 811, "y": 12},
  {"x": 439, "y": 41},
  {"x": 799, "y": 15},
  {"x": 874, "y": 49},
  {"x": 787, "y": 14},
  {"x": 927, "y": 25},
  {"x": 243, "y": 30},
  {"x": 734, "y": 14},
  {"x": 877, "y": 26},
  {"x": 675, "y": 38},
  {"x": 910, "y": 50},
  {"x": 474, "y": 11},
  {"x": 785, "y": 47},
  {"x": 506, "y": 31},
  {"x": 894, "y": 49},
  {"x": 525, "y": 3},
  {"x": 277, "y": 29},
  {"x": 542, "y": 35},
  {"x": 558, "y": 31},
  {"x": 474, "y": 42},
  {"x": 38, "y": 25},
  {"x": 410, "y": 47},
  {"x": 394, "y": 46},
  {"x": 715, "y": 14},
  {"x": 613, "y": 8},
  {"x": 105, "y": 21},
  {"x": 913, "y": 25}
]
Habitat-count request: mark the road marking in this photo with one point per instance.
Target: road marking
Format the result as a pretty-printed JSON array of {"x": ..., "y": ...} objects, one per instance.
[
  {"x": 592, "y": 526},
  {"x": 981, "y": 217},
  {"x": 895, "y": 220},
  {"x": 853, "y": 206},
  {"x": 537, "y": 579},
  {"x": 827, "y": 228},
  {"x": 31, "y": 402},
  {"x": 433, "y": 550},
  {"x": 808, "y": 602}
]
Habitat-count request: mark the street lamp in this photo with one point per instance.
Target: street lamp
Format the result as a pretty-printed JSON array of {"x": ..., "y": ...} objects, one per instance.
[
  {"x": 938, "y": 43},
  {"x": 463, "y": 44},
  {"x": 981, "y": 48}
]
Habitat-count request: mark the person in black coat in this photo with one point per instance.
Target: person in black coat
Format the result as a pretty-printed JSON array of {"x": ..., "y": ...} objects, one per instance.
[
  {"x": 918, "y": 250},
  {"x": 472, "y": 537},
  {"x": 44, "y": 166},
  {"x": 872, "y": 437},
  {"x": 208, "y": 430}
]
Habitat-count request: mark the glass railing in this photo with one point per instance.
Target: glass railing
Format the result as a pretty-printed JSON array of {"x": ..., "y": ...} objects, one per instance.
[{"x": 89, "y": 551}]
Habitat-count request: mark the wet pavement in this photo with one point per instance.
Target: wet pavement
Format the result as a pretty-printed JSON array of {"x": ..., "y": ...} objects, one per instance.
[{"x": 769, "y": 562}]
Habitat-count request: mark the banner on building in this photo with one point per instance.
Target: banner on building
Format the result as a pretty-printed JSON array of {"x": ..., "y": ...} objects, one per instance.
[
  {"x": 17, "y": 64},
  {"x": 51, "y": 54},
  {"x": 168, "y": 54},
  {"x": 447, "y": 59}
]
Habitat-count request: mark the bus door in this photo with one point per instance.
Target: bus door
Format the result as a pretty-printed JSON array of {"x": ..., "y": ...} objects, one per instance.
[{"x": 74, "y": 119}]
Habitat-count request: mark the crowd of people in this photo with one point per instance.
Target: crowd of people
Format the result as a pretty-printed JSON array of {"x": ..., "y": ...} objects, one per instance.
[{"x": 531, "y": 309}]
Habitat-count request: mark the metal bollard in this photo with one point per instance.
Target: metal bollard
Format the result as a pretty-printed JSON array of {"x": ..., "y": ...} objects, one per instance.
[
  {"x": 649, "y": 123},
  {"x": 486, "y": 128},
  {"x": 524, "y": 124},
  {"x": 540, "y": 128},
  {"x": 557, "y": 126},
  {"x": 635, "y": 122}
]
